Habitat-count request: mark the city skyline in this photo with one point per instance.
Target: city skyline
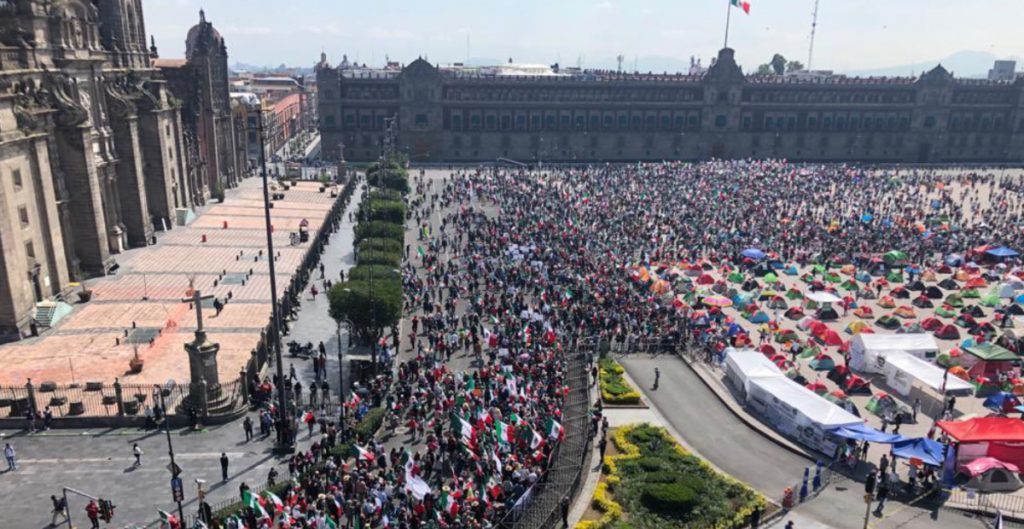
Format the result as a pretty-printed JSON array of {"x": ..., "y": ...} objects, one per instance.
[{"x": 656, "y": 35}]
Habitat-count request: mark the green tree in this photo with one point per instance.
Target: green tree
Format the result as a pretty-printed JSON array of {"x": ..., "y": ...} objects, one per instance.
[
  {"x": 371, "y": 307},
  {"x": 778, "y": 63},
  {"x": 765, "y": 69},
  {"x": 794, "y": 66}
]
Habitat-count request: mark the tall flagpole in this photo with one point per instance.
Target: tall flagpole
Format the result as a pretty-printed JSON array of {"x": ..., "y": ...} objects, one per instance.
[{"x": 728, "y": 13}]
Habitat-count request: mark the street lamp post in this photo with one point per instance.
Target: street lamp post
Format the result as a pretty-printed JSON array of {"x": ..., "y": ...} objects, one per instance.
[
  {"x": 284, "y": 438},
  {"x": 168, "y": 387},
  {"x": 341, "y": 365}
]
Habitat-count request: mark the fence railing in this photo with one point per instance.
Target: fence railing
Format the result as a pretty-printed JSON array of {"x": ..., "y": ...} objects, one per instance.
[{"x": 566, "y": 467}]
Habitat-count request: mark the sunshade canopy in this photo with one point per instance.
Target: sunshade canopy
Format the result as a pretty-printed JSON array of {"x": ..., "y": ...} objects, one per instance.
[{"x": 985, "y": 429}]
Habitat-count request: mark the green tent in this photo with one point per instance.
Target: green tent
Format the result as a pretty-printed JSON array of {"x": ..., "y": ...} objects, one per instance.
[
  {"x": 833, "y": 278},
  {"x": 894, "y": 277},
  {"x": 895, "y": 256},
  {"x": 944, "y": 312},
  {"x": 735, "y": 277},
  {"x": 970, "y": 293},
  {"x": 850, "y": 284},
  {"x": 770, "y": 277},
  {"x": 990, "y": 352},
  {"x": 794, "y": 294},
  {"x": 991, "y": 300},
  {"x": 954, "y": 300}
]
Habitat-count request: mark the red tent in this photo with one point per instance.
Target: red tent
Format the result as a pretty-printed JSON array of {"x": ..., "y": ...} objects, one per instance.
[
  {"x": 705, "y": 279},
  {"x": 976, "y": 282},
  {"x": 831, "y": 337},
  {"x": 985, "y": 429},
  {"x": 931, "y": 324},
  {"x": 947, "y": 332}
]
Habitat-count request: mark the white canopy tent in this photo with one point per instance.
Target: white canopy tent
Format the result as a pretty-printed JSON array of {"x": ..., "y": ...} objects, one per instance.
[
  {"x": 865, "y": 348},
  {"x": 744, "y": 365},
  {"x": 901, "y": 368},
  {"x": 798, "y": 412}
]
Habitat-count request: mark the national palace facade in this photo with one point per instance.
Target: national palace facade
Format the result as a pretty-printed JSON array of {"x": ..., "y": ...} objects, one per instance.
[{"x": 449, "y": 115}]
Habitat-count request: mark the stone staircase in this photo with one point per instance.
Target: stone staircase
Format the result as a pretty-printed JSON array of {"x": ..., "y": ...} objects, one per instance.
[{"x": 48, "y": 313}]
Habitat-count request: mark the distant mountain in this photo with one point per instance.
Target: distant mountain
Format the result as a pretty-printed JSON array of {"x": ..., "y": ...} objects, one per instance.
[
  {"x": 284, "y": 69},
  {"x": 964, "y": 63}
]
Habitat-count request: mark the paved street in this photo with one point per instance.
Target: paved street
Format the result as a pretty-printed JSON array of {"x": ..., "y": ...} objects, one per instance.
[
  {"x": 99, "y": 462},
  {"x": 714, "y": 432}
]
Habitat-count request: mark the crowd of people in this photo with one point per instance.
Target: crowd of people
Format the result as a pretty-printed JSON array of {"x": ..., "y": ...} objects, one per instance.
[{"x": 520, "y": 264}]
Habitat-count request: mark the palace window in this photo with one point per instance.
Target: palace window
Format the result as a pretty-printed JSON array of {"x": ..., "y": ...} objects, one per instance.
[
  {"x": 490, "y": 122},
  {"x": 720, "y": 121},
  {"x": 23, "y": 216},
  {"x": 581, "y": 122},
  {"x": 520, "y": 122},
  {"x": 623, "y": 122},
  {"x": 16, "y": 177},
  {"x": 457, "y": 122},
  {"x": 929, "y": 122},
  {"x": 608, "y": 121},
  {"x": 595, "y": 122}
]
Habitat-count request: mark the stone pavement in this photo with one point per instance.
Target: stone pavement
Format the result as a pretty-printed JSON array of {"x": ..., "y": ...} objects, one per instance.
[{"x": 149, "y": 286}]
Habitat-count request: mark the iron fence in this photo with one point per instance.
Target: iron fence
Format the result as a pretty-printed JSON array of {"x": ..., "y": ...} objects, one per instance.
[{"x": 539, "y": 508}]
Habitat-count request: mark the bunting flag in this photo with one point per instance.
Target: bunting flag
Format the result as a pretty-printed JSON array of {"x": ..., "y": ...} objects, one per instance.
[
  {"x": 555, "y": 430},
  {"x": 255, "y": 503},
  {"x": 742, "y": 4},
  {"x": 364, "y": 454}
]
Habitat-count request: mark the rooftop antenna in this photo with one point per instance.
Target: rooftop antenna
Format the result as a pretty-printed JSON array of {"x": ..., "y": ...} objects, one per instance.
[
  {"x": 634, "y": 65},
  {"x": 814, "y": 27},
  {"x": 579, "y": 62},
  {"x": 467, "y": 47},
  {"x": 620, "y": 58}
]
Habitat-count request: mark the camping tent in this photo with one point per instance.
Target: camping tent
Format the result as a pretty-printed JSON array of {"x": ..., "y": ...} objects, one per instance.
[
  {"x": 989, "y": 474},
  {"x": 798, "y": 412},
  {"x": 986, "y": 359},
  {"x": 742, "y": 366},
  {"x": 901, "y": 369},
  {"x": 919, "y": 345}
]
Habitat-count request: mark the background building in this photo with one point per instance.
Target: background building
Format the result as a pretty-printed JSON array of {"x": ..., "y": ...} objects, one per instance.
[
  {"x": 91, "y": 154},
  {"x": 474, "y": 114},
  {"x": 200, "y": 81},
  {"x": 1003, "y": 71}
]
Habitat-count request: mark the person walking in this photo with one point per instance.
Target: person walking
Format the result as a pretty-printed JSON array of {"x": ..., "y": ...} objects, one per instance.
[
  {"x": 93, "y": 512},
  {"x": 565, "y": 511},
  {"x": 137, "y": 452},
  {"x": 60, "y": 508},
  {"x": 657, "y": 377},
  {"x": 223, "y": 466},
  {"x": 247, "y": 427},
  {"x": 9, "y": 454},
  {"x": 602, "y": 446},
  {"x": 883, "y": 494}
]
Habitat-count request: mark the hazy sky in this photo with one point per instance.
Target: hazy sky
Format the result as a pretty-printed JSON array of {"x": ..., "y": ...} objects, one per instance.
[{"x": 852, "y": 34}]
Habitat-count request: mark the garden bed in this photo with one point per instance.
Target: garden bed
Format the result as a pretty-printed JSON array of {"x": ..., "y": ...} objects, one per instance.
[
  {"x": 615, "y": 389},
  {"x": 652, "y": 482}
]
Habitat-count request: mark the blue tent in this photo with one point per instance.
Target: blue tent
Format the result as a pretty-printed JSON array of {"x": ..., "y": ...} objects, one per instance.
[
  {"x": 863, "y": 277},
  {"x": 1001, "y": 402},
  {"x": 863, "y": 432},
  {"x": 753, "y": 253},
  {"x": 735, "y": 329},
  {"x": 759, "y": 317},
  {"x": 1002, "y": 251},
  {"x": 791, "y": 270},
  {"x": 928, "y": 451}
]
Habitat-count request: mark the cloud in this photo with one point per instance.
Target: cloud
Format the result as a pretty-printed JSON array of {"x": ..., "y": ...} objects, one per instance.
[{"x": 604, "y": 5}]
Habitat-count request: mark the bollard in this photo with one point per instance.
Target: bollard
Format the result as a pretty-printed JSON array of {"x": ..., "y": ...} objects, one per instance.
[
  {"x": 225, "y": 224},
  {"x": 203, "y": 239},
  {"x": 816, "y": 484},
  {"x": 31, "y": 396},
  {"x": 117, "y": 341},
  {"x": 803, "y": 485},
  {"x": 243, "y": 382}
]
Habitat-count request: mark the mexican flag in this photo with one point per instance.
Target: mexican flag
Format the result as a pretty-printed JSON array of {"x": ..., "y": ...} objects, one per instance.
[
  {"x": 364, "y": 454},
  {"x": 416, "y": 486},
  {"x": 504, "y": 432},
  {"x": 536, "y": 441},
  {"x": 449, "y": 503},
  {"x": 555, "y": 430},
  {"x": 167, "y": 519},
  {"x": 493, "y": 487},
  {"x": 278, "y": 504},
  {"x": 742, "y": 4},
  {"x": 255, "y": 502},
  {"x": 465, "y": 430}
]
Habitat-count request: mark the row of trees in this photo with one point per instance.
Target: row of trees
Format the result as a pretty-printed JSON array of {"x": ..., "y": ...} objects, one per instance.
[
  {"x": 779, "y": 66},
  {"x": 370, "y": 300}
]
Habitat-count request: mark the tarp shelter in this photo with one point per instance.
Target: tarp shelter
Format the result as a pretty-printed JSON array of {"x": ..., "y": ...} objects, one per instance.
[
  {"x": 901, "y": 369},
  {"x": 986, "y": 359},
  {"x": 742, "y": 366},
  {"x": 798, "y": 412},
  {"x": 863, "y": 432},
  {"x": 1001, "y": 252},
  {"x": 928, "y": 451},
  {"x": 919, "y": 345}
]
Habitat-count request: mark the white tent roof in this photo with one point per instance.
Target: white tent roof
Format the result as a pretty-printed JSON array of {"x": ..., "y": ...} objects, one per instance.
[
  {"x": 750, "y": 364},
  {"x": 824, "y": 297},
  {"x": 919, "y": 342},
  {"x": 808, "y": 403},
  {"x": 929, "y": 374}
]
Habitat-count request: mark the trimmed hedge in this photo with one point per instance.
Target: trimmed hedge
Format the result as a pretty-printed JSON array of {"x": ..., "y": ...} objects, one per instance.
[
  {"x": 669, "y": 499},
  {"x": 380, "y": 273},
  {"x": 387, "y": 210},
  {"x": 380, "y": 229},
  {"x": 376, "y": 257},
  {"x": 615, "y": 389},
  {"x": 380, "y": 245}
]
